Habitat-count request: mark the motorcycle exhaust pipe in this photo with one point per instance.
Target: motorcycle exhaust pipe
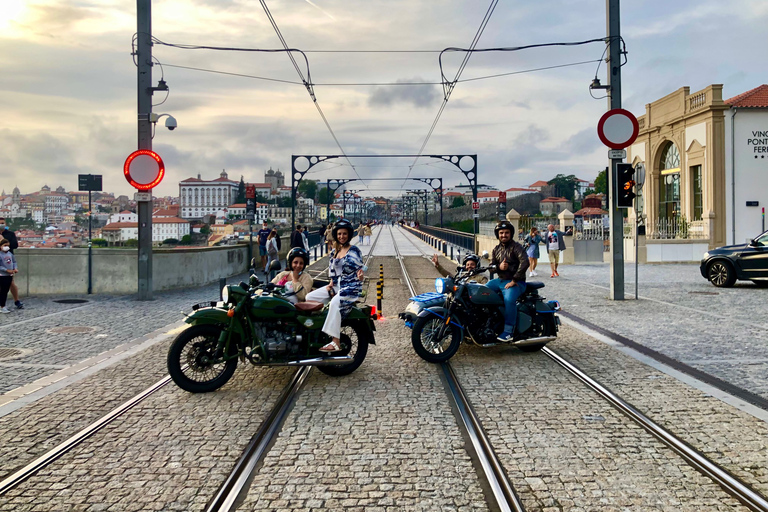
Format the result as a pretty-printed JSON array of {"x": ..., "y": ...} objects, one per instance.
[
  {"x": 533, "y": 341},
  {"x": 315, "y": 361}
]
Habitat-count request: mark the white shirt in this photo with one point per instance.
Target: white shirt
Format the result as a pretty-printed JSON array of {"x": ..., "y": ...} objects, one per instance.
[{"x": 552, "y": 240}]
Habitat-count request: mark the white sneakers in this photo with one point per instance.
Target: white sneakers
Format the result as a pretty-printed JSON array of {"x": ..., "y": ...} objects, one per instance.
[
  {"x": 533, "y": 273},
  {"x": 4, "y": 310}
]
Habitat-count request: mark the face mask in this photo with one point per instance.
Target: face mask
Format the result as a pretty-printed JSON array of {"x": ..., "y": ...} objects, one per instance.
[
  {"x": 6, "y": 248},
  {"x": 3, "y": 226}
]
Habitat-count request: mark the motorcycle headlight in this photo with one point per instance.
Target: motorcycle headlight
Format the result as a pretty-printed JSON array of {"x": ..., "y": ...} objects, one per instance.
[
  {"x": 440, "y": 286},
  {"x": 225, "y": 294}
]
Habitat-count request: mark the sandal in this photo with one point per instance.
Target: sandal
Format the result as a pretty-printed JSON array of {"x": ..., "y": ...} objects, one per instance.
[{"x": 333, "y": 346}]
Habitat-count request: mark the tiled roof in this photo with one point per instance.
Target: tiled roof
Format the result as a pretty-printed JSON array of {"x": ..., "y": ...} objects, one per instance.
[
  {"x": 539, "y": 183},
  {"x": 118, "y": 225},
  {"x": 452, "y": 194},
  {"x": 555, "y": 200},
  {"x": 238, "y": 205},
  {"x": 586, "y": 212},
  {"x": 520, "y": 190},
  {"x": 491, "y": 193},
  {"x": 190, "y": 180},
  {"x": 755, "y": 98}
]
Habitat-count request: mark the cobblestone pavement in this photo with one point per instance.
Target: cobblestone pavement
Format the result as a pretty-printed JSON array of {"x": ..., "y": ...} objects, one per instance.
[
  {"x": 720, "y": 331},
  {"x": 103, "y": 324},
  {"x": 384, "y": 438},
  {"x": 563, "y": 447}
]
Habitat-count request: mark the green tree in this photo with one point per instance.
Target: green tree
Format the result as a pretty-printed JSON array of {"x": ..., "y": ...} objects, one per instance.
[
  {"x": 131, "y": 243},
  {"x": 322, "y": 196},
  {"x": 205, "y": 229},
  {"x": 565, "y": 185},
  {"x": 186, "y": 240},
  {"x": 99, "y": 242},
  {"x": 240, "y": 198},
  {"x": 457, "y": 202},
  {"x": 308, "y": 188},
  {"x": 170, "y": 241},
  {"x": 601, "y": 182}
]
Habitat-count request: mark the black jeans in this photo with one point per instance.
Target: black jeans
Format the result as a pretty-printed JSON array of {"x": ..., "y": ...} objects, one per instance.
[{"x": 5, "y": 286}]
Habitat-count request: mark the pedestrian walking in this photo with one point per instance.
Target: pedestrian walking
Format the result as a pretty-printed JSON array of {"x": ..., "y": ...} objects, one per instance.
[
  {"x": 368, "y": 232},
  {"x": 7, "y": 270},
  {"x": 555, "y": 240},
  {"x": 273, "y": 253},
  {"x": 305, "y": 239},
  {"x": 9, "y": 235},
  {"x": 531, "y": 246},
  {"x": 296, "y": 239},
  {"x": 328, "y": 238},
  {"x": 360, "y": 234},
  {"x": 261, "y": 236}
]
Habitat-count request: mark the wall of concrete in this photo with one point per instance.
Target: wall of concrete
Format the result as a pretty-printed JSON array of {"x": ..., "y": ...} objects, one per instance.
[{"x": 115, "y": 271}]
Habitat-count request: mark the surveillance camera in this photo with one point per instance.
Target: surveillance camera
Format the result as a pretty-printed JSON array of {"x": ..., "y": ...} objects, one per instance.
[{"x": 170, "y": 123}]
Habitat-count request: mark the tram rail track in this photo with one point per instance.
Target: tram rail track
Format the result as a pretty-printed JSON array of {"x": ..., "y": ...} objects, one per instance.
[
  {"x": 495, "y": 476},
  {"x": 731, "y": 484},
  {"x": 19, "y": 476},
  {"x": 231, "y": 493}
]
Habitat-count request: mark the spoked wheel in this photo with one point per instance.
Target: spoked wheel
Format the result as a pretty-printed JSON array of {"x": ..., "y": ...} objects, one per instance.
[
  {"x": 721, "y": 274},
  {"x": 193, "y": 362},
  {"x": 354, "y": 341},
  {"x": 433, "y": 345}
]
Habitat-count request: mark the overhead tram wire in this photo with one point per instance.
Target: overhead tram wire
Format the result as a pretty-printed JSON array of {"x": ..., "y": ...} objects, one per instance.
[
  {"x": 448, "y": 88},
  {"x": 310, "y": 90},
  {"x": 378, "y": 84}
]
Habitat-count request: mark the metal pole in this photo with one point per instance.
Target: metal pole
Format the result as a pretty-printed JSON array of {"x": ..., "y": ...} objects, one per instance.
[
  {"x": 637, "y": 221},
  {"x": 614, "y": 101},
  {"x": 440, "y": 198},
  {"x": 144, "y": 93},
  {"x": 90, "y": 240},
  {"x": 250, "y": 239}
]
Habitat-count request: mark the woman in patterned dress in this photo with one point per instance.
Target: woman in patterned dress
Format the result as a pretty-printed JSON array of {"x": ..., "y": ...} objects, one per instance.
[{"x": 346, "y": 273}]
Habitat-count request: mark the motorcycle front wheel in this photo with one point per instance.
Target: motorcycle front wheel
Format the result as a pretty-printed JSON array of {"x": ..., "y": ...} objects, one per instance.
[
  {"x": 193, "y": 364},
  {"x": 354, "y": 344},
  {"x": 425, "y": 342}
]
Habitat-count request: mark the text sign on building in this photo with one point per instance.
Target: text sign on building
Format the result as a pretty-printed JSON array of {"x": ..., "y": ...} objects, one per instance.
[
  {"x": 89, "y": 182},
  {"x": 144, "y": 169},
  {"x": 502, "y": 197},
  {"x": 475, "y": 205},
  {"x": 250, "y": 191},
  {"x": 618, "y": 128}
]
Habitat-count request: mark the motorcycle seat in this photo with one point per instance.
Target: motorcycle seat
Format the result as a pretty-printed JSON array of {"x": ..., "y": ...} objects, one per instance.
[
  {"x": 309, "y": 306},
  {"x": 534, "y": 285}
]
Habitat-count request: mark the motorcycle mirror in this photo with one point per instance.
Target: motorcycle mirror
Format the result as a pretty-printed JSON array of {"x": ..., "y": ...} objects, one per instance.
[
  {"x": 254, "y": 279},
  {"x": 459, "y": 268},
  {"x": 485, "y": 255},
  {"x": 244, "y": 285},
  {"x": 253, "y": 262}
]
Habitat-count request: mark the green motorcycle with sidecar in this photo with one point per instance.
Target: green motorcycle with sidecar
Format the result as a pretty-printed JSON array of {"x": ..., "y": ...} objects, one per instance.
[{"x": 257, "y": 323}]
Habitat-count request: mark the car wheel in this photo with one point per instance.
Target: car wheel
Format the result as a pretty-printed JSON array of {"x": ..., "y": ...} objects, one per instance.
[{"x": 721, "y": 274}]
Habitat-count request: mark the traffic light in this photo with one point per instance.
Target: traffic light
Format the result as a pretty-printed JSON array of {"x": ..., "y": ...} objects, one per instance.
[{"x": 625, "y": 186}]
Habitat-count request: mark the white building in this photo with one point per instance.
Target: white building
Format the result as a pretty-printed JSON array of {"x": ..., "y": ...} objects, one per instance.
[
  {"x": 123, "y": 216},
  {"x": 163, "y": 228},
  {"x": 746, "y": 151},
  {"x": 199, "y": 197}
]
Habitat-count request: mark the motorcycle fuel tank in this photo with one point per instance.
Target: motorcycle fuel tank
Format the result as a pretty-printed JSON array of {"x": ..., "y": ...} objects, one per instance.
[
  {"x": 272, "y": 307},
  {"x": 481, "y": 294}
]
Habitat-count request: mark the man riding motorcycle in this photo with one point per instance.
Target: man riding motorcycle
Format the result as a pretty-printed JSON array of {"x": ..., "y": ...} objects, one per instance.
[{"x": 511, "y": 262}]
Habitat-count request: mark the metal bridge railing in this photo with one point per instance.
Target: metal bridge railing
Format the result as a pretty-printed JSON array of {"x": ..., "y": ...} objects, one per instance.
[{"x": 457, "y": 238}]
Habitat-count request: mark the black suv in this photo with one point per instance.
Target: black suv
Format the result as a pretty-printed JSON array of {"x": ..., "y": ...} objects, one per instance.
[{"x": 724, "y": 265}]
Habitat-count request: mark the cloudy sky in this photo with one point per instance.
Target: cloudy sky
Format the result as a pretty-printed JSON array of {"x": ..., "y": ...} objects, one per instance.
[{"x": 68, "y": 84}]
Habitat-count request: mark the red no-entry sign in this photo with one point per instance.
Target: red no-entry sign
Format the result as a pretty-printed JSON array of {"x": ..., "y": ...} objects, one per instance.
[
  {"x": 144, "y": 169},
  {"x": 618, "y": 128}
]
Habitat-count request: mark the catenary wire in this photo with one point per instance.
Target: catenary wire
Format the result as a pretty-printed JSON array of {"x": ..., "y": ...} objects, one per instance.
[{"x": 449, "y": 89}]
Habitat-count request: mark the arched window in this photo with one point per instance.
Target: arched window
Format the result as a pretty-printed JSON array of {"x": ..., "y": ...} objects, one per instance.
[{"x": 669, "y": 182}]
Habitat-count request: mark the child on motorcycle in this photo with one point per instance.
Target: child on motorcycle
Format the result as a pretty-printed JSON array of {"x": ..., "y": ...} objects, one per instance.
[
  {"x": 297, "y": 282},
  {"x": 346, "y": 274}
]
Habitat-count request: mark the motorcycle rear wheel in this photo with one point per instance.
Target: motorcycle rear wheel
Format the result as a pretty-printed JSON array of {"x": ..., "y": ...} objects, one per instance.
[
  {"x": 354, "y": 342},
  {"x": 193, "y": 348},
  {"x": 429, "y": 349}
]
